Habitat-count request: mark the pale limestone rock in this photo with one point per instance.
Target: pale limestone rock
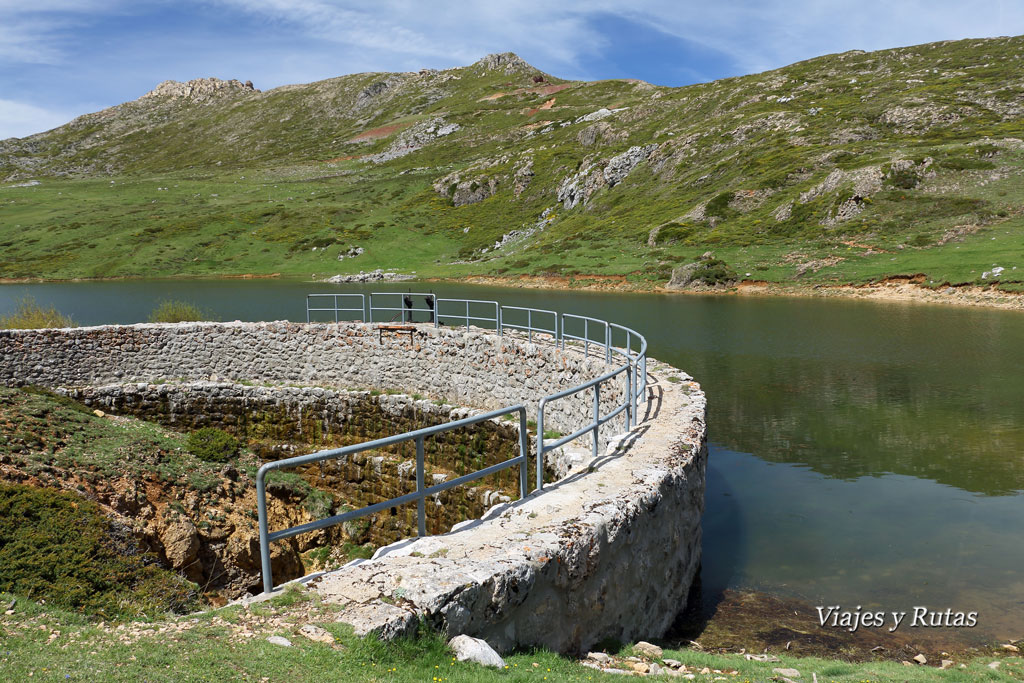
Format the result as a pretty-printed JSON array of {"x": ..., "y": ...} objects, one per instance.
[{"x": 469, "y": 649}]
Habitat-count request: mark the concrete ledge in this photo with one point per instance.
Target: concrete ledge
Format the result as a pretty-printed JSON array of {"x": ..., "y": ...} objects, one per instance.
[{"x": 605, "y": 553}]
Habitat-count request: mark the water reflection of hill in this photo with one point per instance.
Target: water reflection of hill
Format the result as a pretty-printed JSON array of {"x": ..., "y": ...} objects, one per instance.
[{"x": 852, "y": 390}]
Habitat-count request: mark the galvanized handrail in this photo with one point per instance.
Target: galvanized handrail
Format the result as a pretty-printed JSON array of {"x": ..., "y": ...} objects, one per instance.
[
  {"x": 593, "y": 427},
  {"x": 635, "y": 369},
  {"x": 419, "y": 496},
  {"x": 528, "y": 327},
  {"x": 335, "y": 309},
  {"x": 466, "y": 316},
  {"x": 587, "y": 341},
  {"x": 430, "y": 298}
]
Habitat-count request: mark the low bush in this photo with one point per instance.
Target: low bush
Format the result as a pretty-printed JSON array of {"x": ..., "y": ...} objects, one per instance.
[
  {"x": 210, "y": 444},
  {"x": 31, "y": 316},
  {"x": 170, "y": 311},
  {"x": 58, "y": 547}
]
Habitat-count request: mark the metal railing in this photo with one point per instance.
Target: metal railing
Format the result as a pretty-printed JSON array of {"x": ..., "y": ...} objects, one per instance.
[
  {"x": 634, "y": 369},
  {"x": 406, "y": 309},
  {"x": 419, "y": 496},
  {"x": 529, "y": 325},
  {"x": 604, "y": 341},
  {"x": 465, "y": 315},
  {"x": 593, "y": 427},
  {"x": 313, "y": 298}
]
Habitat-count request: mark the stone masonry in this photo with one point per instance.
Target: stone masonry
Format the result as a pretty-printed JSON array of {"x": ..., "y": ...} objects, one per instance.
[{"x": 609, "y": 551}]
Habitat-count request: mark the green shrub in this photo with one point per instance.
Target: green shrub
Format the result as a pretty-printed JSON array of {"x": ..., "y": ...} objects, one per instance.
[
  {"x": 213, "y": 445},
  {"x": 907, "y": 179},
  {"x": 170, "y": 311},
  {"x": 31, "y": 316},
  {"x": 719, "y": 206},
  {"x": 58, "y": 547},
  {"x": 713, "y": 272},
  {"x": 674, "y": 232}
]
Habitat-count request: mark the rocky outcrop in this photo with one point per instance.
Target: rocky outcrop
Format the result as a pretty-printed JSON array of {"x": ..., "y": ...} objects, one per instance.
[
  {"x": 415, "y": 138},
  {"x": 372, "y": 276},
  {"x": 508, "y": 63},
  {"x": 200, "y": 89},
  {"x": 578, "y": 188}
]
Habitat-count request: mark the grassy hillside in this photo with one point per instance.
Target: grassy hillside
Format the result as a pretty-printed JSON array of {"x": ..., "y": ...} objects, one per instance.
[{"x": 847, "y": 168}]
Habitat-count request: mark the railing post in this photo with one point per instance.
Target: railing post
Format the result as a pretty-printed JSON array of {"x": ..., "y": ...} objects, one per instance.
[
  {"x": 529, "y": 323},
  {"x": 586, "y": 336},
  {"x": 261, "y": 510},
  {"x": 630, "y": 408},
  {"x": 421, "y": 504},
  {"x": 498, "y": 316},
  {"x": 540, "y": 446},
  {"x": 607, "y": 343},
  {"x": 524, "y": 452},
  {"x": 597, "y": 415},
  {"x": 335, "y": 309}
]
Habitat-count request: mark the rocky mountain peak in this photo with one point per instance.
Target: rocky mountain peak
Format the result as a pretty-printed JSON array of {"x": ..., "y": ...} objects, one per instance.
[
  {"x": 199, "y": 88},
  {"x": 509, "y": 62}
]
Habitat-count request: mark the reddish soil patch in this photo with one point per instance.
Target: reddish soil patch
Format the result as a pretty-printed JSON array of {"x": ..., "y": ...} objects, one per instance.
[
  {"x": 381, "y": 132},
  {"x": 542, "y": 90},
  {"x": 550, "y": 89}
]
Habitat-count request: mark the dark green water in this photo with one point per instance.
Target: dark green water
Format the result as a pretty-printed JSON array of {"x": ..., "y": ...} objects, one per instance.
[{"x": 862, "y": 453}]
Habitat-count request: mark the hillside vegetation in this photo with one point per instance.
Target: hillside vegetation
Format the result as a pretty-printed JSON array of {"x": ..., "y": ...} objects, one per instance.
[{"x": 847, "y": 168}]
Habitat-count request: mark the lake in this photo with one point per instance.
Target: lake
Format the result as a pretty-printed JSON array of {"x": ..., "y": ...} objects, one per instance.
[{"x": 862, "y": 453}]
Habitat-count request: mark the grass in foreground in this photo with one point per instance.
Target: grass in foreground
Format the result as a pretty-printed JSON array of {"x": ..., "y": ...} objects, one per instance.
[{"x": 231, "y": 644}]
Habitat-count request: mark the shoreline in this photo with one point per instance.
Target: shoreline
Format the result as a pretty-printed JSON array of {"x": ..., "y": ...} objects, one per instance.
[
  {"x": 903, "y": 289},
  {"x": 893, "y": 289}
]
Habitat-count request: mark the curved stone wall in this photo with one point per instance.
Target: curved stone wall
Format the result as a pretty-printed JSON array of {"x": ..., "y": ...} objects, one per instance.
[
  {"x": 609, "y": 551},
  {"x": 465, "y": 368}
]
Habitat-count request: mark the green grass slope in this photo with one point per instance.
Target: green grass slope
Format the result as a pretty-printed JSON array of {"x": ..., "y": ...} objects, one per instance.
[{"x": 847, "y": 168}]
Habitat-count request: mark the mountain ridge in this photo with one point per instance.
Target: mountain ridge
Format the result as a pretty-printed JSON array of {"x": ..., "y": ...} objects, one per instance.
[{"x": 899, "y": 149}]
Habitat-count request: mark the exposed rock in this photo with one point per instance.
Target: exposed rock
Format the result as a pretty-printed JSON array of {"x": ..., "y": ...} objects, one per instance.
[
  {"x": 180, "y": 541},
  {"x": 279, "y": 640},
  {"x": 788, "y": 673},
  {"x": 199, "y": 89},
  {"x": 601, "y": 131},
  {"x": 599, "y": 657},
  {"x": 351, "y": 252},
  {"x": 469, "y": 649},
  {"x": 578, "y": 188},
  {"x": 648, "y": 650},
  {"x": 415, "y": 138},
  {"x": 865, "y": 181},
  {"x": 316, "y": 634},
  {"x": 522, "y": 176},
  {"x": 682, "y": 276},
  {"x": 508, "y": 62},
  {"x": 619, "y": 166},
  {"x": 373, "y": 276},
  {"x": 920, "y": 659}
]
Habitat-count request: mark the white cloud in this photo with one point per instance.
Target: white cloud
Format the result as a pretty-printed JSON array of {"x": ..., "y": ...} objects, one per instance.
[
  {"x": 18, "y": 119},
  {"x": 560, "y": 36}
]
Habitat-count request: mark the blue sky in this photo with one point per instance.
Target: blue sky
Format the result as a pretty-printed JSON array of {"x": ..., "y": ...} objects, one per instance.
[{"x": 62, "y": 58}]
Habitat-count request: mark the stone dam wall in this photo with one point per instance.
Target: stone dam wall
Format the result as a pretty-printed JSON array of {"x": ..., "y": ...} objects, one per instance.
[
  {"x": 464, "y": 368},
  {"x": 607, "y": 552}
]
